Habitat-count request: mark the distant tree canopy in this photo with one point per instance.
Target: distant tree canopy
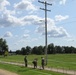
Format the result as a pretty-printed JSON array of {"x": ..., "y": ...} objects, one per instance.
[
  {"x": 39, "y": 50},
  {"x": 3, "y": 46},
  {"x": 51, "y": 49}
]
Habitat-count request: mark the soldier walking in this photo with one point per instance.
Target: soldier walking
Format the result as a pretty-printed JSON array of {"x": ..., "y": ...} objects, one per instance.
[
  {"x": 35, "y": 63},
  {"x": 25, "y": 60},
  {"x": 42, "y": 62}
]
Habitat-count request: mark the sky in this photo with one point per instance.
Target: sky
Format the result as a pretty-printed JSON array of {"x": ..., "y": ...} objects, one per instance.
[{"x": 22, "y": 23}]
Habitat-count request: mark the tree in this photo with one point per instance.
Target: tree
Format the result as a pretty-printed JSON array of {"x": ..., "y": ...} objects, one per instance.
[
  {"x": 5, "y": 53},
  {"x": 3, "y": 46},
  {"x": 51, "y": 49},
  {"x": 18, "y": 52},
  {"x": 28, "y": 49},
  {"x": 23, "y": 51},
  {"x": 34, "y": 50},
  {"x": 40, "y": 50},
  {"x": 58, "y": 49}
]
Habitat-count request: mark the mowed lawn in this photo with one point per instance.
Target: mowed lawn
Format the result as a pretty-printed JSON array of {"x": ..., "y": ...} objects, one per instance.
[
  {"x": 20, "y": 70},
  {"x": 64, "y": 61}
]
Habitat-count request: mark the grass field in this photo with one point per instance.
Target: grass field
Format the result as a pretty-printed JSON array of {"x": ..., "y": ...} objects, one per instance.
[
  {"x": 66, "y": 61},
  {"x": 27, "y": 71}
]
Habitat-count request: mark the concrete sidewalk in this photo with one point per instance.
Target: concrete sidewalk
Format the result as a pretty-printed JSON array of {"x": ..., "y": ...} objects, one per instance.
[{"x": 69, "y": 72}]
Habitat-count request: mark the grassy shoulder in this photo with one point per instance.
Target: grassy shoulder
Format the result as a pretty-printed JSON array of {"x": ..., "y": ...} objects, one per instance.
[
  {"x": 66, "y": 61},
  {"x": 26, "y": 71}
]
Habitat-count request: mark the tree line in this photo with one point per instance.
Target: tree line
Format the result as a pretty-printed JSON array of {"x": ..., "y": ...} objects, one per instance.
[
  {"x": 51, "y": 49},
  {"x": 39, "y": 50}
]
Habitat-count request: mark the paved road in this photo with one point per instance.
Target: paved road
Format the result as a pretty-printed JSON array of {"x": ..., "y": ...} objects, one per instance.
[{"x": 70, "y": 72}]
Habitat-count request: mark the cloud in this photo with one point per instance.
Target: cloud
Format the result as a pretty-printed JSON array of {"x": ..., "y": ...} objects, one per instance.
[
  {"x": 15, "y": 44},
  {"x": 25, "y": 5},
  {"x": 9, "y": 12},
  {"x": 31, "y": 20},
  {"x": 8, "y": 34},
  {"x": 3, "y": 4},
  {"x": 60, "y": 17},
  {"x": 25, "y": 35},
  {"x": 26, "y": 31},
  {"x": 61, "y": 2},
  {"x": 58, "y": 32},
  {"x": 52, "y": 30},
  {"x": 7, "y": 20},
  {"x": 40, "y": 29},
  {"x": 21, "y": 41},
  {"x": 34, "y": 39},
  {"x": 70, "y": 40}
]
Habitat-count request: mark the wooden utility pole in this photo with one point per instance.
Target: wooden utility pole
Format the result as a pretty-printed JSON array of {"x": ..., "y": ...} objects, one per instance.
[{"x": 45, "y": 9}]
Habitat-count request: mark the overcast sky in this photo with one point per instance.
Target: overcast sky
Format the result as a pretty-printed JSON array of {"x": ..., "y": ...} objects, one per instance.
[{"x": 22, "y": 23}]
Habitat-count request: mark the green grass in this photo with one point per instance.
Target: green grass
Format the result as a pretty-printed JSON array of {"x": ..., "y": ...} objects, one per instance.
[
  {"x": 27, "y": 71},
  {"x": 66, "y": 61}
]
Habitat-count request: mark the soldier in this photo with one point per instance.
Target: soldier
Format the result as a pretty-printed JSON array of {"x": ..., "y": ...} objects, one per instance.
[
  {"x": 35, "y": 63},
  {"x": 25, "y": 60},
  {"x": 42, "y": 62}
]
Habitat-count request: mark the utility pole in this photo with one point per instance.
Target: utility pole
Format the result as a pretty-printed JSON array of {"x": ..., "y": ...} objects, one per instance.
[{"x": 45, "y": 9}]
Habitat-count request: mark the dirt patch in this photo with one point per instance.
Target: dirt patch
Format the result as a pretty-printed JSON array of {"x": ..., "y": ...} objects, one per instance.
[{"x": 4, "y": 72}]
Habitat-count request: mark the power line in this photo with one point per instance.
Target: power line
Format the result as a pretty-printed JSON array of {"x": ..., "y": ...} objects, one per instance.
[{"x": 45, "y": 9}]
